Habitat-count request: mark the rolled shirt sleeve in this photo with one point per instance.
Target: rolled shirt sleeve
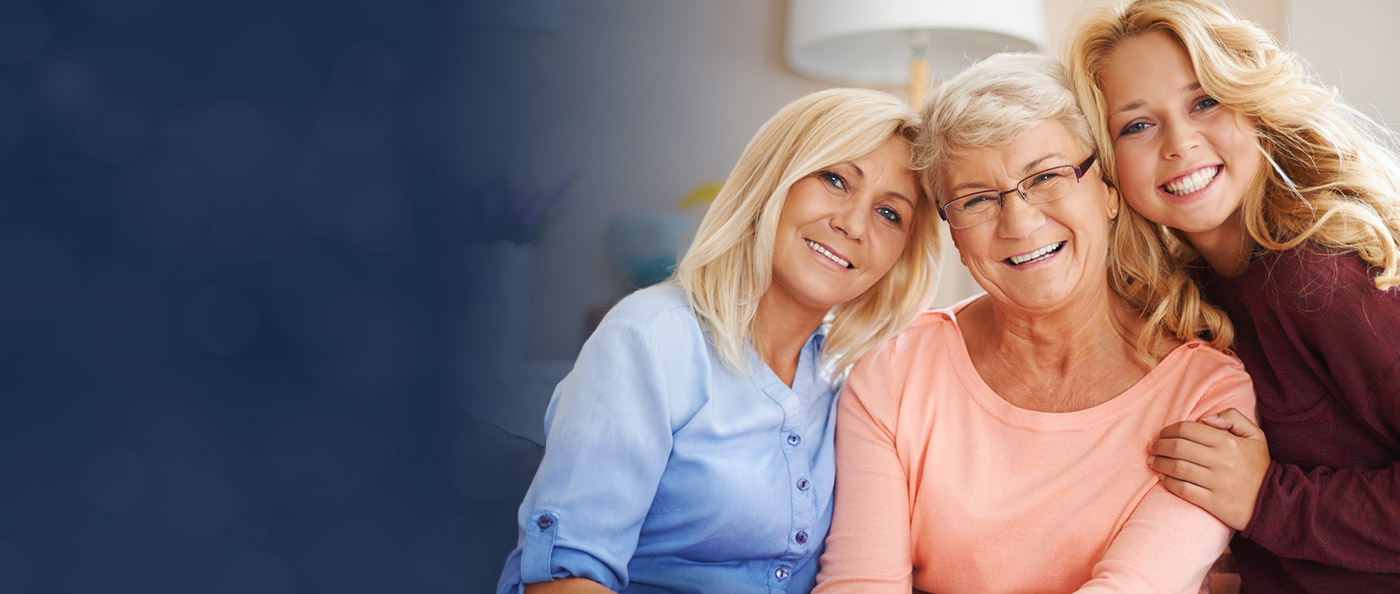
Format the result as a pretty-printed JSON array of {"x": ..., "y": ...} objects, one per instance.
[{"x": 611, "y": 423}]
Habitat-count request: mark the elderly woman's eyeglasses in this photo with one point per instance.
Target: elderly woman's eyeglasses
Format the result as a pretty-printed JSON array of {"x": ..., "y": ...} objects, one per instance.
[{"x": 1037, "y": 188}]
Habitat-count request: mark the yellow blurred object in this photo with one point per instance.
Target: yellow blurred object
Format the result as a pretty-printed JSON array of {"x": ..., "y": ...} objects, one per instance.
[{"x": 702, "y": 195}]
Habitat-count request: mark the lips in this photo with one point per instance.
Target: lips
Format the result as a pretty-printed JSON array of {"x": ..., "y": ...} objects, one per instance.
[
  {"x": 1038, "y": 255},
  {"x": 829, "y": 254},
  {"x": 1192, "y": 182}
]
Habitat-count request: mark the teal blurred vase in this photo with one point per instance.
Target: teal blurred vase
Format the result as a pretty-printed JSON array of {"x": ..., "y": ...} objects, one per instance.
[{"x": 645, "y": 245}]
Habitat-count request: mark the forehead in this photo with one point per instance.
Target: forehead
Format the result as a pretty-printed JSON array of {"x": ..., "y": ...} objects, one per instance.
[
  {"x": 1146, "y": 63},
  {"x": 992, "y": 168},
  {"x": 892, "y": 154},
  {"x": 888, "y": 166}
]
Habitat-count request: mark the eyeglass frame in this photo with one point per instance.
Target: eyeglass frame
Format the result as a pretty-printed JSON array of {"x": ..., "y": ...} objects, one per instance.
[{"x": 1079, "y": 172}]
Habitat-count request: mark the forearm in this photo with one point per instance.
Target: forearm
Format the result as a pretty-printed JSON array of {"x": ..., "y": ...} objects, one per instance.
[
  {"x": 1348, "y": 518},
  {"x": 567, "y": 586},
  {"x": 1167, "y": 545}
]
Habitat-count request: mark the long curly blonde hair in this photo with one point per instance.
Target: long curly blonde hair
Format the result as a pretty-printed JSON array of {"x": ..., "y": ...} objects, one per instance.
[
  {"x": 1333, "y": 176},
  {"x": 729, "y": 265}
]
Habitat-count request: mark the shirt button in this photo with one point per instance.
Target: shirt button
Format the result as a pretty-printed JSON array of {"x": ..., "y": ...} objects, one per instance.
[
  {"x": 802, "y": 537},
  {"x": 802, "y": 484},
  {"x": 781, "y": 573},
  {"x": 544, "y": 522},
  {"x": 794, "y": 439}
]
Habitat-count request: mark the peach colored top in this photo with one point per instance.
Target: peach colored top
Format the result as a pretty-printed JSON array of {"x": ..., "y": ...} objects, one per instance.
[{"x": 943, "y": 486}]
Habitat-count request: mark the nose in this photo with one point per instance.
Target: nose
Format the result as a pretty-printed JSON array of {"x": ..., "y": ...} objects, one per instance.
[
  {"x": 1179, "y": 139},
  {"x": 1018, "y": 218},
  {"x": 850, "y": 220}
]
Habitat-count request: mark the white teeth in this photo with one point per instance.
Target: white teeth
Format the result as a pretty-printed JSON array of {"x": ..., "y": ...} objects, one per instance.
[
  {"x": 821, "y": 250},
  {"x": 1193, "y": 182},
  {"x": 1036, "y": 255}
]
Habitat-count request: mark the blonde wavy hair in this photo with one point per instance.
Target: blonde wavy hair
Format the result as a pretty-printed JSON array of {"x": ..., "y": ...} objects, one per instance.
[
  {"x": 996, "y": 101},
  {"x": 730, "y": 263},
  {"x": 1333, "y": 174}
]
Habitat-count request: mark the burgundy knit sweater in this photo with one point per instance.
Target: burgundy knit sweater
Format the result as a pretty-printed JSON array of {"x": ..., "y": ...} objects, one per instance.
[{"x": 1322, "y": 345}]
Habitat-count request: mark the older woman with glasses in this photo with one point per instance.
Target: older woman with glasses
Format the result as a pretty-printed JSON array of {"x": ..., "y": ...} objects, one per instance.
[{"x": 1000, "y": 445}]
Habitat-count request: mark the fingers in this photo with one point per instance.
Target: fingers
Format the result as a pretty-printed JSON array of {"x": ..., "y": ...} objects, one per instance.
[
  {"x": 1217, "y": 464},
  {"x": 1236, "y": 423},
  {"x": 1181, "y": 449},
  {"x": 1205, "y": 435},
  {"x": 1191, "y": 492},
  {"x": 1181, "y": 470}
]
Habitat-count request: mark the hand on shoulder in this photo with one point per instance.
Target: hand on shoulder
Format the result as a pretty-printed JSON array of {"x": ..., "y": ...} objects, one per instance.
[{"x": 1218, "y": 464}]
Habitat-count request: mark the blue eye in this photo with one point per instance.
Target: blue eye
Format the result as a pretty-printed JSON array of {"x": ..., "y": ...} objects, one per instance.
[
  {"x": 1046, "y": 176},
  {"x": 1206, "y": 103},
  {"x": 977, "y": 201},
  {"x": 1134, "y": 128},
  {"x": 890, "y": 214},
  {"x": 832, "y": 179}
]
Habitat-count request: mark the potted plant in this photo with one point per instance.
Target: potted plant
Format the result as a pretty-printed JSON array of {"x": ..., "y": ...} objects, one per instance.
[{"x": 504, "y": 219}]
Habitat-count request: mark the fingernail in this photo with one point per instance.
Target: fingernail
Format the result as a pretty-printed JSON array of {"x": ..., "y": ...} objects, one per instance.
[{"x": 1211, "y": 418}]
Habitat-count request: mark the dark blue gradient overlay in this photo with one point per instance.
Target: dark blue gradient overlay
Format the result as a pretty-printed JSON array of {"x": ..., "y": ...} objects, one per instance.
[{"x": 227, "y": 233}]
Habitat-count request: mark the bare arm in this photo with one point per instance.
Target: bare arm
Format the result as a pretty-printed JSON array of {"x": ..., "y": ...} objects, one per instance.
[{"x": 567, "y": 586}]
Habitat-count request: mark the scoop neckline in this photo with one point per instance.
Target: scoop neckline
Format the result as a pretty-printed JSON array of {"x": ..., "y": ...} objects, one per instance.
[{"x": 1026, "y": 418}]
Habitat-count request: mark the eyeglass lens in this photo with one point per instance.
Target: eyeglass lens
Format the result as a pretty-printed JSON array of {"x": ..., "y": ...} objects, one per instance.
[{"x": 1045, "y": 186}]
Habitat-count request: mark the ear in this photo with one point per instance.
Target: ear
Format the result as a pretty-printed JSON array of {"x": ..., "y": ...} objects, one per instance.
[
  {"x": 957, "y": 247},
  {"x": 1114, "y": 202}
]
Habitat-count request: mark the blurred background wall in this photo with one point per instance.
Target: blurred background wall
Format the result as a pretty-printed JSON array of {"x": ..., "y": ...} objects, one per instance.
[{"x": 247, "y": 340}]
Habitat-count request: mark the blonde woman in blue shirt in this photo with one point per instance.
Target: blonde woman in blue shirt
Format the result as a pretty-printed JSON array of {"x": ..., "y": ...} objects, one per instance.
[{"x": 690, "y": 449}]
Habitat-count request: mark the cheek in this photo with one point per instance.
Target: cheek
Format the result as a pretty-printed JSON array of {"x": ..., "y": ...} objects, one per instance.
[
  {"x": 892, "y": 244},
  {"x": 1137, "y": 168},
  {"x": 1245, "y": 144}
]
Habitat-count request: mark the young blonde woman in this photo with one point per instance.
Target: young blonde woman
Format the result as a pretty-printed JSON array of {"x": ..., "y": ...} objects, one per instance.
[
  {"x": 1285, "y": 205},
  {"x": 690, "y": 449}
]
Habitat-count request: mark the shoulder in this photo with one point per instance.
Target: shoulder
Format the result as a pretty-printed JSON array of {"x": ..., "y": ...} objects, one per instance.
[
  {"x": 907, "y": 359},
  {"x": 653, "y": 325},
  {"x": 931, "y": 329},
  {"x": 651, "y": 304},
  {"x": 1217, "y": 378},
  {"x": 657, "y": 310},
  {"x": 648, "y": 349},
  {"x": 1316, "y": 285},
  {"x": 1311, "y": 270}
]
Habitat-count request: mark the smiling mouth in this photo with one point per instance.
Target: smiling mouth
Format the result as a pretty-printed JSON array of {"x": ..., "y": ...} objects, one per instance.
[
  {"x": 817, "y": 247},
  {"x": 1037, "y": 255},
  {"x": 1189, "y": 184}
]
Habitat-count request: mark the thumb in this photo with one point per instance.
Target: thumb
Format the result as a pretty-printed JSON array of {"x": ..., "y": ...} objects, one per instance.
[{"x": 1235, "y": 422}]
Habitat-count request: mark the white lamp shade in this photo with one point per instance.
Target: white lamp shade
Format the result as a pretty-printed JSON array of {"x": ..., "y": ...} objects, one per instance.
[{"x": 871, "y": 42}]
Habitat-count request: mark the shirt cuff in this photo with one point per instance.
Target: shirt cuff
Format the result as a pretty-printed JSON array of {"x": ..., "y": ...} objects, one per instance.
[
  {"x": 1259, "y": 527},
  {"x": 542, "y": 561}
]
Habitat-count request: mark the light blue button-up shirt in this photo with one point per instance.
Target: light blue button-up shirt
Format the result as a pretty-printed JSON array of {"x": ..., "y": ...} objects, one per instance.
[{"x": 665, "y": 471}]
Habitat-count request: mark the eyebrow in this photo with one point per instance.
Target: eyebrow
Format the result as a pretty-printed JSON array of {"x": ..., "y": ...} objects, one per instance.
[
  {"x": 1027, "y": 170},
  {"x": 1033, "y": 166},
  {"x": 902, "y": 197},
  {"x": 1194, "y": 86}
]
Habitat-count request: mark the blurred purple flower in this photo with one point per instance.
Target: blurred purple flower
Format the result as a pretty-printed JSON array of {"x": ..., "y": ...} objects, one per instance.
[{"x": 513, "y": 211}]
